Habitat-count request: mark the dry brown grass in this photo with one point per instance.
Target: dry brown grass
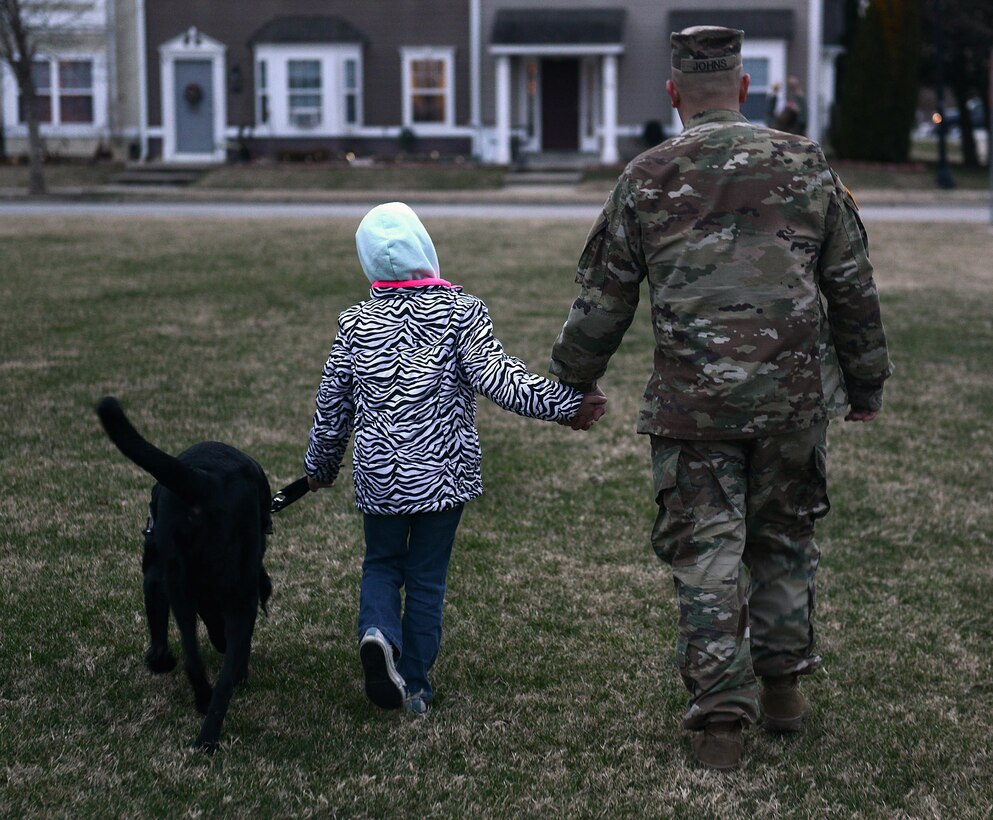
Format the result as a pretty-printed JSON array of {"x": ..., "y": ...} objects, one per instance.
[{"x": 556, "y": 689}]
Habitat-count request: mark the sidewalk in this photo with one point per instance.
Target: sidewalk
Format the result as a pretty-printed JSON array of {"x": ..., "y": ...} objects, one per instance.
[{"x": 524, "y": 194}]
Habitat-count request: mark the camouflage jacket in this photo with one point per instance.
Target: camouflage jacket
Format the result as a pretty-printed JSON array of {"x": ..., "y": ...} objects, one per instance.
[{"x": 765, "y": 312}]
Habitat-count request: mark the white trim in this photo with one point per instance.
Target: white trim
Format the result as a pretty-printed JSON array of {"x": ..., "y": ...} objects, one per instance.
[
  {"x": 475, "y": 68},
  {"x": 332, "y": 58},
  {"x": 502, "y": 155},
  {"x": 571, "y": 50},
  {"x": 445, "y": 54},
  {"x": 608, "y": 148},
  {"x": 113, "y": 83},
  {"x": 98, "y": 91},
  {"x": 142, "y": 58},
  {"x": 829, "y": 55},
  {"x": 192, "y": 45},
  {"x": 815, "y": 39}
]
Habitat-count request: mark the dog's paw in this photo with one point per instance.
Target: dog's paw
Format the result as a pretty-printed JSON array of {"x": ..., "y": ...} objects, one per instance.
[
  {"x": 159, "y": 660},
  {"x": 208, "y": 747}
]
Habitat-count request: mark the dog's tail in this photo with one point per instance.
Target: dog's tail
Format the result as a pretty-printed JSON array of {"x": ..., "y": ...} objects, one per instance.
[{"x": 187, "y": 482}]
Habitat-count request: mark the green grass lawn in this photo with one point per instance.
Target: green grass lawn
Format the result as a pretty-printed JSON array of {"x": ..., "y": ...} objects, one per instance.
[{"x": 556, "y": 690}]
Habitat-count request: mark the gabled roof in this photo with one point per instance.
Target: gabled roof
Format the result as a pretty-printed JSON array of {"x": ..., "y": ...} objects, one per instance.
[
  {"x": 307, "y": 29},
  {"x": 558, "y": 26}
]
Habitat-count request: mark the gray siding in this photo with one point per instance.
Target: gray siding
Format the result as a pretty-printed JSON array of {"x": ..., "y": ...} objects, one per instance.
[{"x": 387, "y": 25}]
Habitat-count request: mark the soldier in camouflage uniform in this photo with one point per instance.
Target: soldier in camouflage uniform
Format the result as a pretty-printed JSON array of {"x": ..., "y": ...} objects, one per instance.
[{"x": 767, "y": 324}]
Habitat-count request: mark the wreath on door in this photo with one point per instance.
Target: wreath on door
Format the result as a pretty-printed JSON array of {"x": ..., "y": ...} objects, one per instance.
[{"x": 193, "y": 94}]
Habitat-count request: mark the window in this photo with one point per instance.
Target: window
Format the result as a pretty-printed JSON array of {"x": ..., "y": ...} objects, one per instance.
[
  {"x": 756, "y": 105},
  {"x": 64, "y": 91},
  {"x": 429, "y": 86},
  {"x": 765, "y": 62},
  {"x": 428, "y": 92},
  {"x": 304, "y": 84},
  {"x": 76, "y": 91},
  {"x": 313, "y": 87},
  {"x": 262, "y": 92},
  {"x": 350, "y": 90}
]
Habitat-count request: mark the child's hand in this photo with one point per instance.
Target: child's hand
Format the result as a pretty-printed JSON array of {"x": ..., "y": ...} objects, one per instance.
[
  {"x": 591, "y": 410},
  {"x": 314, "y": 484}
]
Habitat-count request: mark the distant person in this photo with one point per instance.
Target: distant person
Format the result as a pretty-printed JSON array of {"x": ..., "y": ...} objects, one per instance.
[
  {"x": 403, "y": 374},
  {"x": 792, "y": 117},
  {"x": 767, "y": 324}
]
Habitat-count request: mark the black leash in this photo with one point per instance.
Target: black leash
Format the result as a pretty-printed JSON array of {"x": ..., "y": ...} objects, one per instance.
[{"x": 290, "y": 493}]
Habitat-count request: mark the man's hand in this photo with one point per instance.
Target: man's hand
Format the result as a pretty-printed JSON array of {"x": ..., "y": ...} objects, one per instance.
[
  {"x": 861, "y": 415},
  {"x": 590, "y": 411},
  {"x": 314, "y": 484}
]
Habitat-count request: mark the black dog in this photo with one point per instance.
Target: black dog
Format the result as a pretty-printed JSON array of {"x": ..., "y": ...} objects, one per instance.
[{"x": 204, "y": 543}]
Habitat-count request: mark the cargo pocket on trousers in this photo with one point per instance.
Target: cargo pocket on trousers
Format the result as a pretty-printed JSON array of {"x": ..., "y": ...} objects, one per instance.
[
  {"x": 671, "y": 518},
  {"x": 818, "y": 503}
]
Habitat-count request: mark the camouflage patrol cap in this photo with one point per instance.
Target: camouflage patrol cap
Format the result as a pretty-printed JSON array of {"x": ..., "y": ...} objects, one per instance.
[{"x": 704, "y": 49}]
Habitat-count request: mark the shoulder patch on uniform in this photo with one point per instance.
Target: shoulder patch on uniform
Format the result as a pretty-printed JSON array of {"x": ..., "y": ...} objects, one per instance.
[{"x": 851, "y": 196}]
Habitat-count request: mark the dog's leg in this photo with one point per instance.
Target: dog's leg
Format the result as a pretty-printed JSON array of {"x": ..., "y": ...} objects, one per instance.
[
  {"x": 158, "y": 658},
  {"x": 186, "y": 620},
  {"x": 238, "y": 631},
  {"x": 214, "y": 621},
  {"x": 265, "y": 589}
]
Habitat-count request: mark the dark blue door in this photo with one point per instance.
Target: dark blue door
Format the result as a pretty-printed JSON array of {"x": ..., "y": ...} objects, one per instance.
[{"x": 194, "y": 107}]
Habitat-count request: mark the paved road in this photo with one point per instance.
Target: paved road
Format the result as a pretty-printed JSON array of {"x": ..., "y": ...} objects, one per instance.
[{"x": 585, "y": 212}]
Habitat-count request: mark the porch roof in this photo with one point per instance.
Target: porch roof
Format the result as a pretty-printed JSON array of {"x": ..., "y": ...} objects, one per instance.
[
  {"x": 307, "y": 29},
  {"x": 756, "y": 23},
  {"x": 558, "y": 27}
]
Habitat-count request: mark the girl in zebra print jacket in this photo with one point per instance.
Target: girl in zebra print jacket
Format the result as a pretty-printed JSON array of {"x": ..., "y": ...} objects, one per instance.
[{"x": 402, "y": 374}]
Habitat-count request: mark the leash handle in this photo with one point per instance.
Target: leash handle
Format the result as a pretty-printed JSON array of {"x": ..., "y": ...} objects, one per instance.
[{"x": 290, "y": 493}]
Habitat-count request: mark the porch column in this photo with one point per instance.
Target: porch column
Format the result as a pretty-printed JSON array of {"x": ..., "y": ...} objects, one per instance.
[
  {"x": 502, "y": 110},
  {"x": 608, "y": 148}
]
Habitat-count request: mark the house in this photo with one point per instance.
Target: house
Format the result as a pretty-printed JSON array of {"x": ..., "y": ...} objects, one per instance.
[
  {"x": 499, "y": 80},
  {"x": 307, "y": 77},
  {"x": 87, "y": 78},
  {"x": 568, "y": 76}
]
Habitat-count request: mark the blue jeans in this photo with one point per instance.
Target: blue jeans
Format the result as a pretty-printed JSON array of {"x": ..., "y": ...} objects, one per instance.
[{"x": 409, "y": 552}]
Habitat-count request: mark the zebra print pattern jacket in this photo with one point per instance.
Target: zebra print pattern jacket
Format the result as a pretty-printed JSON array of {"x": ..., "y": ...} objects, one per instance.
[{"x": 403, "y": 372}]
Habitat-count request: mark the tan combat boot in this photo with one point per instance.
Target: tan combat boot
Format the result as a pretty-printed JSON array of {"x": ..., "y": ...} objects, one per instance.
[
  {"x": 719, "y": 745},
  {"x": 783, "y": 704}
]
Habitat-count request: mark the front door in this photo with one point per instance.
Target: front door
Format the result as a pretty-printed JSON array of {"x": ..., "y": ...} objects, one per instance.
[
  {"x": 194, "y": 107},
  {"x": 560, "y": 105}
]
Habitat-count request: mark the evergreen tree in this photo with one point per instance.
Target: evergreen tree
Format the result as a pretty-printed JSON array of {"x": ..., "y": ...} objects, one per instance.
[{"x": 877, "y": 97}]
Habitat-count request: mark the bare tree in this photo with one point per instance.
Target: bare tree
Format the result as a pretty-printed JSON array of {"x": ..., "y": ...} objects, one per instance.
[{"x": 18, "y": 48}]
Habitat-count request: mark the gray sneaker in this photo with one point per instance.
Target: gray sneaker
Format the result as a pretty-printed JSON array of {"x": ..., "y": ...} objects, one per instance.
[
  {"x": 416, "y": 704},
  {"x": 384, "y": 686}
]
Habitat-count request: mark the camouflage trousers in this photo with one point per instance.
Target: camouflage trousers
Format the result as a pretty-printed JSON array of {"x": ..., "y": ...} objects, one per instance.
[{"x": 736, "y": 524}]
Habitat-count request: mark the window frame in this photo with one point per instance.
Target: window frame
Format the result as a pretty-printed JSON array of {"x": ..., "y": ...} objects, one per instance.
[
  {"x": 263, "y": 113},
  {"x": 445, "y": 55},
  {"x": 774, "y": 51},
  {"x": 54, "y": 92},
  {"x": 333, "y": 91},
  {"x": 311, "y": 113}
]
